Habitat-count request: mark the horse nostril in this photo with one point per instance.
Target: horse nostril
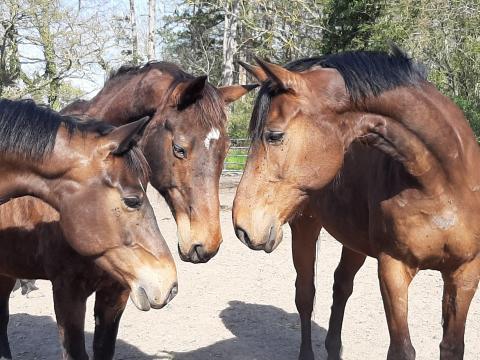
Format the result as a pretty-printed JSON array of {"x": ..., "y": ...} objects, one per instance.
[
  {"x": 243, "y": 236},
  {"x": 173, "y": 292},
  {"x": 199, "y": 250}
]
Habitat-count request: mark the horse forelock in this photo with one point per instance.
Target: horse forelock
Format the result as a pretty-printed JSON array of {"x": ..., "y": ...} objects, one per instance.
[
  {"x": 211, "y": 108},
  {"x": 261, "y": 109},
  {"x": 138, "y": 164}
]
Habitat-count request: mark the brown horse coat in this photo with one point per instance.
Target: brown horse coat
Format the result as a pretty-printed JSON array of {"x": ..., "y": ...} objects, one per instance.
[
  {"x": 361, "y": 144},
  {"x": 33, "y": 247},
  {"x": 94, "y": 176},
  {"x": 185, "y": 143}
]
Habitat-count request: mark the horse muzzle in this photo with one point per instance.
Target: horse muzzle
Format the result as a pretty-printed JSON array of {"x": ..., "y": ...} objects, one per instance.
[{"x": 266, "y": 240}]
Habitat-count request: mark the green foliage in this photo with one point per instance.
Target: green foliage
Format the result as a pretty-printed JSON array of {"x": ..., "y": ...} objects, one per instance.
[
  {"x": 472, "y": 113},
  {"x": 281, "y": 30},
  {"x": 348, "y": 24},
  {"x": 236, "y": 159},
  {"x": 193, "y": 37},
  {"x": 442, "y": 34},
  {"x": 240, "y": 117},
  {"x": 67, "y": 94}
]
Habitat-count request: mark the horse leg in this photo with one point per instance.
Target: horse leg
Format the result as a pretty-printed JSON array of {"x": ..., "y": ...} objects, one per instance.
[
  {"x": 70, "y": 303},
  {"x": 305, "y": 231},
  {"x": 350, "y": 262},
  {"x": 395, "y": 278},
  {"x": 109, "y": 305},
  {"x": 6, "y": 287},
  {"x": 28, "y": 286},
  {"x": 459, "y": 289}
]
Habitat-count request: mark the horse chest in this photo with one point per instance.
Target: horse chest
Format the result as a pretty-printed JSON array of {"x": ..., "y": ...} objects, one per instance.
[{"x": 427, "y": 233}]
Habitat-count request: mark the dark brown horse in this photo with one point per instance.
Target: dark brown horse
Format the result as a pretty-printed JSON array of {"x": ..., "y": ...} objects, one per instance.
[
  {"x": 33, "y": 246},
  {"x": 361, "y": 144},
  {"x": 94, "y": 176},
  {"x": 185, "y": 143}
]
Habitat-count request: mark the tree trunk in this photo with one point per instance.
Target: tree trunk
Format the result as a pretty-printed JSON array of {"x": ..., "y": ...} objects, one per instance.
[
  {"x": 229, "y": 39},
  {"x": 9, "y": 61},
  {"x": 133, "y": 22},
  {"x": 152, "y": 7},
  {"x": 51, "y": 75},
  {"x": 242, "y": 73},
  {"x": 243, "y": 36}
]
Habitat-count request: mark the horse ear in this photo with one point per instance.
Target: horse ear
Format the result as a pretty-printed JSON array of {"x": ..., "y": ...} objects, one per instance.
[
  {"x": 234, "y": 92},
  {"x": 256, "y": 71},
  {"x": 281, "y": 77},
  {"x": 123, "y": 138},
  {"x": 189, "y": 92}
]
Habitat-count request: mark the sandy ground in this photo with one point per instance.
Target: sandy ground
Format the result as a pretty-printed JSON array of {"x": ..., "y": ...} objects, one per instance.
[{"x": 240, "y": 306}]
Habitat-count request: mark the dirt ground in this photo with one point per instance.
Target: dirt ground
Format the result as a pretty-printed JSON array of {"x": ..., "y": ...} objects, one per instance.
[{"x": 240, "y": 306}]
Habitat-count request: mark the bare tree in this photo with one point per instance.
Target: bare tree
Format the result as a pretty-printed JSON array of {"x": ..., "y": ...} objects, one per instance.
[
  {"x": 230, "y": 39},
  {"x": 51, "y": 52},
  {"x": 152, "y": 7},
  {"x": 133, "y": 24}
]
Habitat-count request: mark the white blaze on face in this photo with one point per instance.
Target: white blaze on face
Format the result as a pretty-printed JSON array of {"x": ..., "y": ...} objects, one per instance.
[{"x": 214, "y": 134}]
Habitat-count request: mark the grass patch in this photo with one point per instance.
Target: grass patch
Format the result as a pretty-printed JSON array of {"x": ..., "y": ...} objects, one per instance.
[{"x": 236, "y": 159}]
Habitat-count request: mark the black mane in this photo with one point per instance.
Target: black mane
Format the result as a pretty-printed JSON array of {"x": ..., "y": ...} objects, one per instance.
[
  {"x": 29, "y": 131},
  {"x": 210, "y": 108},
  {"x": 365, "y": 73}
]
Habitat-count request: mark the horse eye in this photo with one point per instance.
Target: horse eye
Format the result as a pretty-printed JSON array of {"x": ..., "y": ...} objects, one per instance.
[
  {"x": 179, "y": 151},
  {"x": 133, "y": 202},
  {"x": 274, "y": 137}
]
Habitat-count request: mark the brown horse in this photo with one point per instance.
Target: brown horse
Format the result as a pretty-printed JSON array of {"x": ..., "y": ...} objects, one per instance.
[
  {"x": 94, "y": 176},
  {"x": 33, "y": 246},
  {"x": 361, "y": 144},
  {"x": 185, "y": 143}
]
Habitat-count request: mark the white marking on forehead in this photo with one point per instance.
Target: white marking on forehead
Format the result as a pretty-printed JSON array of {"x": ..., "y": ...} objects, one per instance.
[{"x": 214, "y": 134}]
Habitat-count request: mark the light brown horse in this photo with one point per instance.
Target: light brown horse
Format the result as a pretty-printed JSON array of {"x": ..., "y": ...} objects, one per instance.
[
  {"x": 33, "y": 246},
  {"x": 94, "y": 176},
  {"x": 361, "y": 144},
  {"x": 185, "y": 143}
]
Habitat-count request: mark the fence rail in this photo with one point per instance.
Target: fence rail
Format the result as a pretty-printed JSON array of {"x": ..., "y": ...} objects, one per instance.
[{"x": 236, "y": 156}]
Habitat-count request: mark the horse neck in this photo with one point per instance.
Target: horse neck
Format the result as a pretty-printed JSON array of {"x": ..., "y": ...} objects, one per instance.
[
  {"x": 39, "y": 178},
  {"x": 125, "y": 99},
  {"x": 21, "y": 178},
  {"x": 425, "y": 131}
]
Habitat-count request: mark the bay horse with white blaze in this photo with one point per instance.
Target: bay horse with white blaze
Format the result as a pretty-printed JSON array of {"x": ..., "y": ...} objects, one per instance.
[
  {"x": 361, "y": 144},
  {"x": 185, "y": 143},
  {"x": 94, "y": 176}
]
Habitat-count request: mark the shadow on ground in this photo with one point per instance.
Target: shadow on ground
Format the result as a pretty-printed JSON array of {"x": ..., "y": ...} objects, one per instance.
[
  {"x": 261, "y": 332},
  {"x": 36, "y": 337}
]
